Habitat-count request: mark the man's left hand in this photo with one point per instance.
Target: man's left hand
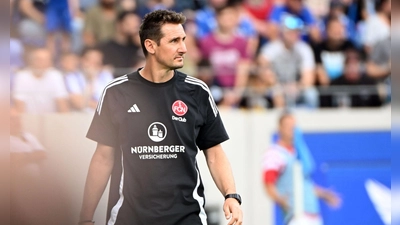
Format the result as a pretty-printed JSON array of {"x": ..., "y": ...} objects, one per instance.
[{"x": 233, "y": 212}]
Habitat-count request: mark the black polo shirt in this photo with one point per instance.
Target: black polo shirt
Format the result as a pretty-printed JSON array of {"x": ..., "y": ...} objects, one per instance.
[{"x": 157, "y": 129}]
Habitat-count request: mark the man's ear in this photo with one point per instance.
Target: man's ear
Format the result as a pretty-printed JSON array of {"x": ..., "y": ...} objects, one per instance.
[{"x": 150, "y": 46}]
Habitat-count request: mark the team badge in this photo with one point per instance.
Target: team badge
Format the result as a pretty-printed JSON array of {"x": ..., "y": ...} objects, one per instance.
[
  {"x": 157, "y": 131},
  {"x": 179, "y": 108}
]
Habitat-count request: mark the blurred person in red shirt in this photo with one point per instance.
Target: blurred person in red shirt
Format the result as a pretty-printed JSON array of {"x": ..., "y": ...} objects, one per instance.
[{"x": 228, "y": 56}]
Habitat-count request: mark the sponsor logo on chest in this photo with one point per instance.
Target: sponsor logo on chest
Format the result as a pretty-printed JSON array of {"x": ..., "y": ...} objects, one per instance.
[{"x": 157, "y": 132}]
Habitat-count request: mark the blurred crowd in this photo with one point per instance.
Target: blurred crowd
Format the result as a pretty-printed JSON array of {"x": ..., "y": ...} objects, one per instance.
[{"x": 253, "y": 54}]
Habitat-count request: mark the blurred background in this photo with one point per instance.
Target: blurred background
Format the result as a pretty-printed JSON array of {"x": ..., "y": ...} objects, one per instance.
[{"x": 329, "y": 61}]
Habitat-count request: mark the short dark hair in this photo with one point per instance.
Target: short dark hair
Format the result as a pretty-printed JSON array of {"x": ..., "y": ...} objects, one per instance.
[
  {"x": 379, "y": 4},
  {"x": 229, "y": 4},
  {"x": 152, "y": 23},
  {"x": 86, "y": 50},
  {"x": 122, "y": 15}
]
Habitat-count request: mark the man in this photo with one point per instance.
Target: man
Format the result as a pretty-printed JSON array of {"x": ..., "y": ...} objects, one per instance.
[
  {"x": 122, "y": 52},
  {"x": 40, "y": 88},
  {"x": 148, "y": 126},
  {"x": 228, "y": 56},
  {"x": 292, "y": 62},
  {"x": 99, "y": 23},
  {"x": 85, "y": 87},
  {"x": 206, "y": 22},
  {"x": 379, "y": 65},
  {"x": 298, "y": 9},
  {"x": 330, "y": 54},
  {"x": 278, "y": 170},
  {"x": 378, "y": 26},
  {"x": 354, "y": 88}
]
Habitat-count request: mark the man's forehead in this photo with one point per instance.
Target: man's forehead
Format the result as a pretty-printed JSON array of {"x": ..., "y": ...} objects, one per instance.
[{"x": 173, "y": 30}]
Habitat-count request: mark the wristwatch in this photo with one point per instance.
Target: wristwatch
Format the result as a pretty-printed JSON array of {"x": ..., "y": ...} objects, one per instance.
[{"x": 235, "y": 196}]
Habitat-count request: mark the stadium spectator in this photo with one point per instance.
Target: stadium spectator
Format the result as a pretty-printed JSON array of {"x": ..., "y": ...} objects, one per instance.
[
  {"x": 128, "y": 5},
  {"x": 17, "y": 52},
  {"x": 379, "y": 66},
  {"x": 31, "y": 22},
  {"x": 123, "y": 52},
  {"x": 206, "y": 23},
  {"x": 40, "y": 88},
  {"x": 99, "y": 25},
  {"x": 227, "y": 54},
  {"x": 262, "y": 91},
  {"x": 377, "y": 26},
  {"x": 330, "y": 53},
  {"x": 258, "y": 11},
  {"x": 354, "y": 88},
  {"x": 86, "y": 87},
  {"x": 296, "y": 8},
  {"x": 151, "y": 5},
  {"x": 58, "y": 17},
  {"x": 278, "y": 168},
  {"x": 338, "y": 11},
  {"x": 293, "y": 64}
]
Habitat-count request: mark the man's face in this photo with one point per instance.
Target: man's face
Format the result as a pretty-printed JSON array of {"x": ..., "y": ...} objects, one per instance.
[
  {"x": 387, "y": 7},
  {"x": 286, "y": 128},
  {"x": 295, "y": 5},
  {"x": 336, "y": 31},
  {"x": 40, "y": 60},
  {"x": 107, "y": 3},
  {"x": 170, "y": 53},
  {"x": 92, "y": 62},
  {"x": 291, "y": 36},
  {"x": 216, "y": 3},
  {"x": 228, "y": 19}
]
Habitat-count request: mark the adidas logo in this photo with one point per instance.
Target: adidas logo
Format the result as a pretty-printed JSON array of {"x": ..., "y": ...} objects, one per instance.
[{"x": 134, "y": 109}]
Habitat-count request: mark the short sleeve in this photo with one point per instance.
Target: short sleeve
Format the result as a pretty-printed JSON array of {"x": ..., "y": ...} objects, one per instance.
[
  {"x": 72, "y": 84},
  {"x": 102, "y": 129},
  {"x": 308, "y": 18},
  {"x": 317, "y": 53},
  {"x": 59, "y": 85},
  {"x": 276, "y": 14},
  {"x": 268, "y": 51},
  {"x": 307, "y": 57},
  {"x": 273, "y": 161},
  {"x": 213, "y": 131}
]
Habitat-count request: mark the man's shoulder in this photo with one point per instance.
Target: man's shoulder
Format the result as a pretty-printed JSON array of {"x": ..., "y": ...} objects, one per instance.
[
  {"x": 302, "y": 46},
  {"x": 190, "y": 81},
  {"x": 117, "y": 83},
  {"x": 275, "y": 47}
]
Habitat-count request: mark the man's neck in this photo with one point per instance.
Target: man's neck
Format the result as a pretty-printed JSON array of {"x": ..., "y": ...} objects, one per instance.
[
  {"x": 156, "y": 75},
  {"x": 285, "y": 143},
  {"x": 224, "y": 36}
]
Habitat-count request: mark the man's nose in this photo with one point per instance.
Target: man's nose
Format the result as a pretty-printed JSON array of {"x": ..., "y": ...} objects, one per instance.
[{"x": 182, "y": 48}]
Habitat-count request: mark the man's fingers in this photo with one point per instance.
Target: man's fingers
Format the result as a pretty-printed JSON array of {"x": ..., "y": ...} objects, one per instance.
[
  {"x": 227, "y": 212},
  {"x": 237, "y": 217}
]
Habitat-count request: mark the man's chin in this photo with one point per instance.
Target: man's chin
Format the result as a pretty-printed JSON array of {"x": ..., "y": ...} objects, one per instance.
[{"x": 174, "y": 67}]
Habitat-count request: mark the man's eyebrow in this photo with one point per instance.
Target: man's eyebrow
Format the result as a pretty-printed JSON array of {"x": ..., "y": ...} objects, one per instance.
[{"x": 175, "y": 38}]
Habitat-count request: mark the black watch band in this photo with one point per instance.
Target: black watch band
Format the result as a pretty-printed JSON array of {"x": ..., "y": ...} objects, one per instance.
[{"x": 235, "y": 196}]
